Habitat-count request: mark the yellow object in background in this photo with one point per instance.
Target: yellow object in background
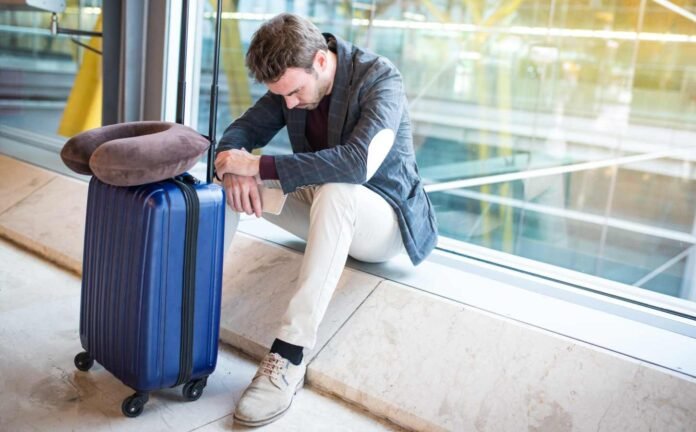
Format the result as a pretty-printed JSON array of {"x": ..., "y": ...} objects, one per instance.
[
  {"x": 232, "y": 59},
  {"x": 83, "y": 111}
]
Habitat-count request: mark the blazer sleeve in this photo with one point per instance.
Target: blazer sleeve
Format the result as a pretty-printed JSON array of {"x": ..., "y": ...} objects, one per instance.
[
  {"x": 256, "y": 126},
  {"x": 381, "y": 107}
]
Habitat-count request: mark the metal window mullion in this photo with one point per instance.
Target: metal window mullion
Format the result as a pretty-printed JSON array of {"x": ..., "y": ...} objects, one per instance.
[
  {"x": 111, "y": 59},
  {"x": 131, "y": 60},
  {"x": 688, "y": 288},
  {"x": 664, "y": 267},
  {"x": 626, "y": 225},
  {"x": 137, "y": 32},
  {"x": 170, "y": 48}
]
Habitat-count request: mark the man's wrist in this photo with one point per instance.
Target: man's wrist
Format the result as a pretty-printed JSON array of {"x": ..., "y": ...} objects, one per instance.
[{"x": 257, "y": 166}]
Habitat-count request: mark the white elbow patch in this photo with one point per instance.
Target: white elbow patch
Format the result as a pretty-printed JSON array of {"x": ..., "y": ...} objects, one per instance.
[{"x": 378, "y": 149}]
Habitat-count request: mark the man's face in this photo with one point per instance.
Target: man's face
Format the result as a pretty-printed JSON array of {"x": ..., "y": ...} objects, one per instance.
[{"x": 300, "y": 88}]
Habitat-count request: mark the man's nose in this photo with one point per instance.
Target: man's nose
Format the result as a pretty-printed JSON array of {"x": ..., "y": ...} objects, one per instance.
[{"x": 291, "y": 101}]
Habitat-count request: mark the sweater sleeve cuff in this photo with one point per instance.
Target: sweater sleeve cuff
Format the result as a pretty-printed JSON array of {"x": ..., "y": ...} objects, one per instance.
[{"x": 267, "y": 168}]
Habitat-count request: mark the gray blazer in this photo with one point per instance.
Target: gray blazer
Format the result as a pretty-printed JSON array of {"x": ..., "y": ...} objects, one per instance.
[{"x": 367, "y": 97}]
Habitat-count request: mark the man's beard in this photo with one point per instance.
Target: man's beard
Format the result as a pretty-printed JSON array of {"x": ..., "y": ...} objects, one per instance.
[{"x": 322, "y": 89}]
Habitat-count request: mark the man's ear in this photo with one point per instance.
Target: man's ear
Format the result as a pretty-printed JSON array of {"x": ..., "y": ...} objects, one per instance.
[{"x": 320, "y": 61}]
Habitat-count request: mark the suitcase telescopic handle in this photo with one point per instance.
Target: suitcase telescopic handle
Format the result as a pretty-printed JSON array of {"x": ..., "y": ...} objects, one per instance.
[
  {"x": 181, "y": 88},
  {"x": 212, "y": 123}
]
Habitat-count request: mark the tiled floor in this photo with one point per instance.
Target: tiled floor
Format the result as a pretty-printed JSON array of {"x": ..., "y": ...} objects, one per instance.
[{"x": 40, "y": 389}]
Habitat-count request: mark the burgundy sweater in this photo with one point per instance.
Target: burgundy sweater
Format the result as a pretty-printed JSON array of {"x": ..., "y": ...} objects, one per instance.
[{"x": 316, "y": 131}]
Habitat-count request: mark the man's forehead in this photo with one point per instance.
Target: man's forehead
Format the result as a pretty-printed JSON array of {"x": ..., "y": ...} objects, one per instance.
[{"x": 290, "y": 81}]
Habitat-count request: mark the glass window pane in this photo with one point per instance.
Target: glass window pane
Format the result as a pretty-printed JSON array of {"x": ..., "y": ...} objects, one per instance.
[{"x": 549, "y": 129}]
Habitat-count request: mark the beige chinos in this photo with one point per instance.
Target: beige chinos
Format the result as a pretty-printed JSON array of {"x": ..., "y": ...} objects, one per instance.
[{"x": 336, "y": 220}]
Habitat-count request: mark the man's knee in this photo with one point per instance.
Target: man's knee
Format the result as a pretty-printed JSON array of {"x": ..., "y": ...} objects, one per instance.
[
  {"x": 336, "y": 196},
  {"x": 337, "y": 190}
]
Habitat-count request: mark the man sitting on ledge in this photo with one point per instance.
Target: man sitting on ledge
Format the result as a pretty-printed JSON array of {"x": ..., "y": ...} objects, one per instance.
[{"x": 352, "y": 180}]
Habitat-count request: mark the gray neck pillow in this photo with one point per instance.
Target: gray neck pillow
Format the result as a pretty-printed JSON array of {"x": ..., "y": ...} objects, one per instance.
[{"x": 135, "y": 153}]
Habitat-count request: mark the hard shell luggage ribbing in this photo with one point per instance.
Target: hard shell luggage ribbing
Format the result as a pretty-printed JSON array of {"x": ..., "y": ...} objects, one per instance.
[
  {"x": 140, "y": 317},
  {"x": 152, "y": 274}
]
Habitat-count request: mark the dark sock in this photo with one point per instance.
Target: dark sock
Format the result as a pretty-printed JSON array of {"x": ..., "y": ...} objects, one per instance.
[{"x": 288, "y": 351}]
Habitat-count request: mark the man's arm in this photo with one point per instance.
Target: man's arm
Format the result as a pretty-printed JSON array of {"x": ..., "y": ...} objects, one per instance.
[
  {"x": 253, "y": 129},
  {"x": 256, "y": 126},
  {"x": 359, "y": 157}
]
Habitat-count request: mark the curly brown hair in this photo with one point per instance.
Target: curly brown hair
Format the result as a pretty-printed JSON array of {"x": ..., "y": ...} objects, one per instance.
[{"x": 285, "y": 41}]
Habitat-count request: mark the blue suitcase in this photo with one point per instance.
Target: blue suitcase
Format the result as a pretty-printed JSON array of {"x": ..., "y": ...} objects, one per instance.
[
  {"x": 151, "y": 285},
  {"x": 152, "y": 272}
]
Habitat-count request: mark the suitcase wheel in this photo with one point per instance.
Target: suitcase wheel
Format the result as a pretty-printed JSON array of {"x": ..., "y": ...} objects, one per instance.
[
  {"x": 133, "y": 405},
  {"x": 84, "y": 361},
  {"x": 194, "y": 389}
]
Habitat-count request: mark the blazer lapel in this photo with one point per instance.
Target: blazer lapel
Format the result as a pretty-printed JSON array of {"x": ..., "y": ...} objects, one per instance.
[
  {"x": 340, "y": 92},
  {"x": 297, "y": 119}
]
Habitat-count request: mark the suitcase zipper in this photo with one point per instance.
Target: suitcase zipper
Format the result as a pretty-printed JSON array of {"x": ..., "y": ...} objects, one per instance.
[{"x": 189, "y": 277}]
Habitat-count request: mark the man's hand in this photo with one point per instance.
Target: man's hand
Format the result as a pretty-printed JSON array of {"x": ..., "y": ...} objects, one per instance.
[
  {"x": 242, "y": 194},
  {"x": 239, "y": 162}
]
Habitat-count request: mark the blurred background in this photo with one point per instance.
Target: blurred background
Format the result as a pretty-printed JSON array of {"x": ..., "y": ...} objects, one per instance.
[{"x": 555, "y": 136}]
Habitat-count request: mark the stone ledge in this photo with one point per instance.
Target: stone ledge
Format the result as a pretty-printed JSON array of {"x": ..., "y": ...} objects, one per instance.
[
  {"x": 427, "y": 363},
  {"x": 19, "y": 180},
  {"x": 50, "y": 221}
]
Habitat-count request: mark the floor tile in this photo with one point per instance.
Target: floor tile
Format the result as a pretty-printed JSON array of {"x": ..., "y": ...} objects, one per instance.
[
  {"x": 19, "y": 268},
  {"x": 36, "y": 366},
  {"x": 313, "y": 412},
  {"x": 50, "y": 394}
]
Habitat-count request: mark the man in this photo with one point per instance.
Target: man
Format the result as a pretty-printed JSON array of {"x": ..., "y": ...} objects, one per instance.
[{"x": 352, "y": 180}]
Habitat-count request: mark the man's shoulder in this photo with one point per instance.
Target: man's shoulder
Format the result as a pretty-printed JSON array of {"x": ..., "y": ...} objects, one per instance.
[
  {"x": 364, "y": 60},
  {"x": 369, "y": 60},
  {"x": 371, "y": 67}
]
